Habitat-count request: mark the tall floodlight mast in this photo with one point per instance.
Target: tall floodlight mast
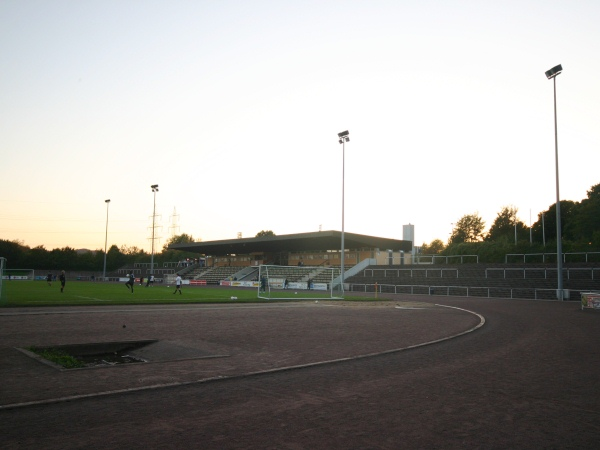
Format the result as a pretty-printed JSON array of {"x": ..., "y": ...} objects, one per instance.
[
  {"x": 551, "y": 75},
  {"x": 154, "y": 190},
  {"x": 105, "y": 241},
  {"x": 344, "y": 137}
]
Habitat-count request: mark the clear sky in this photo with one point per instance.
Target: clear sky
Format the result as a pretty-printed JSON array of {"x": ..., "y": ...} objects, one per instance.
[{"x": 233, "y": 109}]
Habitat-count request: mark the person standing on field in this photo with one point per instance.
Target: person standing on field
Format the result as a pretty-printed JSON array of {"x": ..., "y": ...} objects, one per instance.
[
  {"x": 263, "y": 284},
  {"x": 130, "y": 282},
  {"x": 63, "y": 280},
  {"x": 177, "y": 284}
]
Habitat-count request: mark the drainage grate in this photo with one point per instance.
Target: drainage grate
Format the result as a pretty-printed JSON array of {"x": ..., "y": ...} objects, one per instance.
[
  {"x": 77, "y": 356},
  {"x": 107, "y": 354}
]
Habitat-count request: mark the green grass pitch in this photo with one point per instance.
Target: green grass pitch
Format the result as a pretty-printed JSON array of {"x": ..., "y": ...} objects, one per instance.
[
  {"x": 17, "y": 293},
  {"x": 21, "y": 293}
]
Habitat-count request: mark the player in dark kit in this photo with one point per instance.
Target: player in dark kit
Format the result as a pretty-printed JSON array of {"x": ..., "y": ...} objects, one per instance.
[
  {"x": 129, "y": 283},
  {"x": 63, "y": 280}
]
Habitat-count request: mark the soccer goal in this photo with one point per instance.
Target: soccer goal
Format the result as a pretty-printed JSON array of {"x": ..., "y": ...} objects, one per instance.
[
  {"x": 19, "y": 274},
  {"x": 297, "y": 283},
  {"x": 2, "y": 263}
]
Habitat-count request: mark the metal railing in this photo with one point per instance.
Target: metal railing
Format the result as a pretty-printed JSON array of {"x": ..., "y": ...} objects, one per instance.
[
  {"x": 431, "y": 259},
  {"x": 525, "y": 270},
  {"x": 464, "y": 291},
  {"x": 396, "y": 272},
  {"x": 550, "y": 256}
]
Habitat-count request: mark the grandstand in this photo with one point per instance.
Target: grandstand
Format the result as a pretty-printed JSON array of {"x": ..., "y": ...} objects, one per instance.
[
  {"x": 535, "y": 281},
  {"x": 461, "y": 275}
]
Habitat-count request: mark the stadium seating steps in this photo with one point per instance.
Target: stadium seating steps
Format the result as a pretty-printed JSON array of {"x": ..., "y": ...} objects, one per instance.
[
  {"x": 214, "y": 275},
  {"x": 577, "y": 276}
]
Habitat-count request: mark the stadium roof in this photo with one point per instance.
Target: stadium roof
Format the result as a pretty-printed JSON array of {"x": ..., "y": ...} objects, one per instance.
[{"x": 316, "y": 241}]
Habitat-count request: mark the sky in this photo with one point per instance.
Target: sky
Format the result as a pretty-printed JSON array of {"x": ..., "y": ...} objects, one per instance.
[{"x": 233, "y": 109}]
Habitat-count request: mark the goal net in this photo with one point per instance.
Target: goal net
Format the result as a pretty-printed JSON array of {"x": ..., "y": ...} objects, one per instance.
[{"x": 297, "y": 283}]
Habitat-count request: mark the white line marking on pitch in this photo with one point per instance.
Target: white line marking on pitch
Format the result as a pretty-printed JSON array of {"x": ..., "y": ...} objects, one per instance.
[{"x": 92, "y": 298}]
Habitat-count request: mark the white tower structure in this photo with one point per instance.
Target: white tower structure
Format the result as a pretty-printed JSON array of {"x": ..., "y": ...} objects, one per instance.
[{"x": 408, "y": 234}]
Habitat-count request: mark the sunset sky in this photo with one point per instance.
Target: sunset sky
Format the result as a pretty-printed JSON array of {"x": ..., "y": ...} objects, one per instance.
[{"x": 233, "y": 109}]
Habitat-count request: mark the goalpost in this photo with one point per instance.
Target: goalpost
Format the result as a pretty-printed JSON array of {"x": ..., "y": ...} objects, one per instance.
[
  {"x": 2, "y": 263},
  {"x": 299, "y": 282}
]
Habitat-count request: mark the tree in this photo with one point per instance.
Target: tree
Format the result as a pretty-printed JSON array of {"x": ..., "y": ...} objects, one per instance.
[
  {"x": 14, "y": 252},
  {"x": 178, "y": 239},
  {"x": 505, "y": 224},
  {"x": 132, "y": 250},
  {"x": 469, "y": 228},
  {"x": 435, "y": 247},
  {"x": 63, "y": 258},
  {"x": 133, "y": 254},
  {"x": 546, "y": 226},
  {"x": 586, "y": 219},
  {"x": 91, "y": 260},
  {"x": 38, "y": 258},
  {"x": 264, "y": 233},
  {"x": 177, "y": 255},
  {"x": 114, "y": 258}
]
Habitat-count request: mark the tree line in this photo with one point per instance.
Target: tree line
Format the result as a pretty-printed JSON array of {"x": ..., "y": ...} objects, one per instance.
[
  {"x": 580, "y": 225},
  {"x": 20, "y": 256}
]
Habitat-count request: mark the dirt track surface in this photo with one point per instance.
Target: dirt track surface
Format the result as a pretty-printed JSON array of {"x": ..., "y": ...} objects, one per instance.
[{"x": 294, "y": 376}]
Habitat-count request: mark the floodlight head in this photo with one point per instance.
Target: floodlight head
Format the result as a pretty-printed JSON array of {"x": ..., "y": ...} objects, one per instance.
[
  {"x": 154, "y": 187},
  {"x": 107, "y": 201},
  {"x": 553, "y": 72},
  {"x": 343, "y": 134},
  {"x": 341, "y": 141}
]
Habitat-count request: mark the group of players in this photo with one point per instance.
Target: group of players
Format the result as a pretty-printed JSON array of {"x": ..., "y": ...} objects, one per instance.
[
  {"x": 62, "y": 278},
  {"x": 131, "y": 281}
]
